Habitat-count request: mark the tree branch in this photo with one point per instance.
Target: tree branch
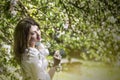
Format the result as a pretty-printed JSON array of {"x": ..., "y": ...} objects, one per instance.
[
  {"x": 69, "y": 19},
  {"x": 26, "y": 13}
]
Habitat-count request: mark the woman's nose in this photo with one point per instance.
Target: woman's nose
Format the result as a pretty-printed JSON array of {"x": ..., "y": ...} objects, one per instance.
[{"x": 38, "y": 33}]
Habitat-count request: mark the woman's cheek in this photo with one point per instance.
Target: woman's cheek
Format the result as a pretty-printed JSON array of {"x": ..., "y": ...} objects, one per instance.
[{"x": 33, "y": 37}]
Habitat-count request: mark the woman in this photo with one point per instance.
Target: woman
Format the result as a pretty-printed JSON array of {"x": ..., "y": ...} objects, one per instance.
[{"x": 29, "y": 54}]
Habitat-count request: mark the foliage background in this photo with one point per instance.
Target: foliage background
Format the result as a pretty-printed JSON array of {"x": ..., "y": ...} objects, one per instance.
[{"x": 84, "y": 29}]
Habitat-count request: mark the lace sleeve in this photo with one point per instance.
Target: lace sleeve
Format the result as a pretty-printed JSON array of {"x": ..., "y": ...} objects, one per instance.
[
  {"x": 32, "y": 65},
  {"x": 43, "y": 50}
]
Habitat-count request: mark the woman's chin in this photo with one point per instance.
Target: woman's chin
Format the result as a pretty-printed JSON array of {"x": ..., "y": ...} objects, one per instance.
[{"x": 32, "y": 44}]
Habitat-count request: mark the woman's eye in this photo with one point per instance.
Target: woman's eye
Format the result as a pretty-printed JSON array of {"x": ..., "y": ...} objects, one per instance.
[{"x": 32, "y": 33}]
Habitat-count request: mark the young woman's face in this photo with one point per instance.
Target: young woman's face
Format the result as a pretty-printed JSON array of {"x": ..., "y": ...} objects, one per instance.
[{"x": 34, "y": 35}]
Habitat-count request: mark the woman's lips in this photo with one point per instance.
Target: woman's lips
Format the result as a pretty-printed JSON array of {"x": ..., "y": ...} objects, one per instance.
[{"x": 38, "y": 38}]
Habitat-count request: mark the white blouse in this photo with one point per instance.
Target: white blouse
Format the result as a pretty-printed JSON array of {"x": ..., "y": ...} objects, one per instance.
[{"x": 34, "y": 64}]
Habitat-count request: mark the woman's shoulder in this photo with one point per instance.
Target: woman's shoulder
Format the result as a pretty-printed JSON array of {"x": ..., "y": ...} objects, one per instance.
[{"x": 30, "y": 53}]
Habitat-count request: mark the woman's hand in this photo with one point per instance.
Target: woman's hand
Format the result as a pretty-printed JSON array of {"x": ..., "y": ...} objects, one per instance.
[{"x": 57, "y": 58}]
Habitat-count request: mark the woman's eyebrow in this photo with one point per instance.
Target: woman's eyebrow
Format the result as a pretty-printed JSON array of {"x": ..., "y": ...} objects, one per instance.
[{"x": 33, "y": 32}]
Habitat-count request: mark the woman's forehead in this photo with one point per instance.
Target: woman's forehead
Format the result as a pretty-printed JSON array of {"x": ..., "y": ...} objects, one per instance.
[{"x": 34, "y": 28}]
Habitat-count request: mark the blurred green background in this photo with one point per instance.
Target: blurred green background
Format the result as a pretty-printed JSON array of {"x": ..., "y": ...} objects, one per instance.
[{"x": 86, "y": 30}]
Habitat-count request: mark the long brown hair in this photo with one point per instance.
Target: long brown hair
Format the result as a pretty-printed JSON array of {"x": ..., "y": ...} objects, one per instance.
[{"x": 21, "y": 34}]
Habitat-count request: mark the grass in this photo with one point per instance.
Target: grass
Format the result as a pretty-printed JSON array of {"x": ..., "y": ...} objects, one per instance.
[{"x": 88, "y": 71}]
